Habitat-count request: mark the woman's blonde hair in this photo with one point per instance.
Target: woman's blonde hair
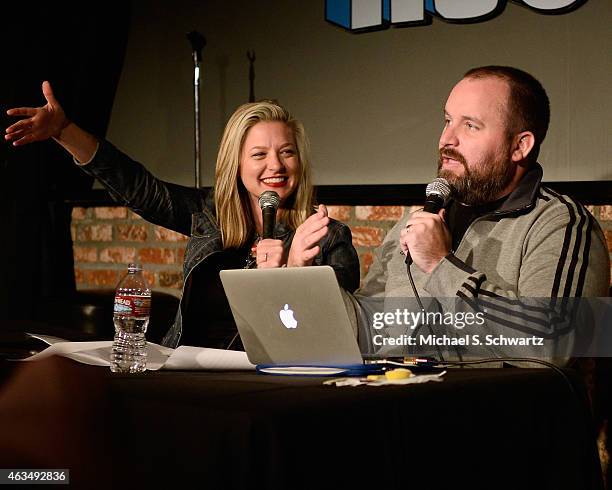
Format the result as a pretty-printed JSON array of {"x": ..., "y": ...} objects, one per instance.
[{"x": 231, "y": 198}]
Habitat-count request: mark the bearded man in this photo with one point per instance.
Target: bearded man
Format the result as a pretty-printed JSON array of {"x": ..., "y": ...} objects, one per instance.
[{"x": 503, "y": 239}]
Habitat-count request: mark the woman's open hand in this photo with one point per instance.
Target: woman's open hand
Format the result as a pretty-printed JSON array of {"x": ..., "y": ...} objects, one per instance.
[{"x": 39, "y": 123}]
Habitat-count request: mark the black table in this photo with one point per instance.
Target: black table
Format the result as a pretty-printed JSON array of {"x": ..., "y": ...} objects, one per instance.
[{"x": 480, "y": 428}]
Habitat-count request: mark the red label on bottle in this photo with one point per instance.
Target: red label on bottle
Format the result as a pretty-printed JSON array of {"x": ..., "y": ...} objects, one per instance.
[{"x": 132, "y": 305}]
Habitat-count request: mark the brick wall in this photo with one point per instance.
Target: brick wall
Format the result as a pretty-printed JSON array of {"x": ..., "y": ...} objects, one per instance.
[{"x": 106, "y": 239}]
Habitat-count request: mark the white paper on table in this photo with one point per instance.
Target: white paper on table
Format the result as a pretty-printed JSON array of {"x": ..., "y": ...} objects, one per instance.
[
  {"x": 195, "y": 358},
  {"x": 184, "y": 357},
  {"x": 382, "y": 381},
  {"x": 96, "y": 353}
]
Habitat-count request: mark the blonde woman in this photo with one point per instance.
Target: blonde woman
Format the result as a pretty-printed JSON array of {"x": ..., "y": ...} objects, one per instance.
[{"x": 262, "y": 148}]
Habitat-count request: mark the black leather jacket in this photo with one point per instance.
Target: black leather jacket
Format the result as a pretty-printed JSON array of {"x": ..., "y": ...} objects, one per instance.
[{"x": 191, "y": 212}]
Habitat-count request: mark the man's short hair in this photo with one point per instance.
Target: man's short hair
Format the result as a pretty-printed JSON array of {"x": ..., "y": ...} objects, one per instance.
[{"x": 528, "y": 105}]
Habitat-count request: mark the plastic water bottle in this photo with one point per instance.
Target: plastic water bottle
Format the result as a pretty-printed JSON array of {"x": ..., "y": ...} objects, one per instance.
[{"x": 131, "y": 318}]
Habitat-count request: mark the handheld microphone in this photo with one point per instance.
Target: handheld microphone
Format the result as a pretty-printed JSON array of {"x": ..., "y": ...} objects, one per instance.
[
  {"x": 437, "y": 193},
  {"x": 268, "y": 202}
]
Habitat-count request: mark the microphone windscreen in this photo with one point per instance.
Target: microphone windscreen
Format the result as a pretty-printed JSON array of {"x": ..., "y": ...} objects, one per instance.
[
  {"x": 269, "y": 199},
  {"x": 439, "y": 187},
  {"x": 437, "y": 194},
  {"x": 268, "y": 202}
]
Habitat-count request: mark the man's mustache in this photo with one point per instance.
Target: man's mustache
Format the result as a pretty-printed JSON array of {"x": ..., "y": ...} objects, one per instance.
[{"x": 454, "y": 154}]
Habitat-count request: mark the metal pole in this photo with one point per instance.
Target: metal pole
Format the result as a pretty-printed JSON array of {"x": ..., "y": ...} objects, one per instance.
[
  {"x": 196, "y": 103},
  {"x": 197, "y": 41},
  {"x": 251, "y": 58}
]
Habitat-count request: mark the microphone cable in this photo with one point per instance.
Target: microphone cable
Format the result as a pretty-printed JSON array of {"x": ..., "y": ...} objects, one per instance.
[
  {"x": 582, "y": 407},
  {"x": 232, "y": 341},
  {"x": 268, "y": 202},
  {"x": 418, "y": 298},
  {"x": 437, "y": 194},
  {"x": 586, "y": 413}
]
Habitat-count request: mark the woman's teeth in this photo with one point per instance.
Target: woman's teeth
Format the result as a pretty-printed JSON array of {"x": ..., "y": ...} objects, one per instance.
[{"x": 274, "y": 180}]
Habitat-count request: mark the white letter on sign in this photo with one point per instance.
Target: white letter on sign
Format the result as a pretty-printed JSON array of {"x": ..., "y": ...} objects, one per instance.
[
  {"x": 403, "y": 11},
  {"x": 464, "y": 10},
  {"x": 550, "y": 6}
]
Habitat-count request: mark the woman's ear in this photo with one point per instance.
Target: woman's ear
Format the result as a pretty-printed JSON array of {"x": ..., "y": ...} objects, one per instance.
[{"x": 522, "y": 145}]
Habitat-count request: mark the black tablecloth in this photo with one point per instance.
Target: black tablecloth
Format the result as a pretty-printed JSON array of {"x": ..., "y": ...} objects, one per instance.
[{"x": 479, "y": 428}]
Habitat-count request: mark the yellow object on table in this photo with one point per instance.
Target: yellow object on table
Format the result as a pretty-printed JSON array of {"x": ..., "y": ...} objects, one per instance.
[{"x": 399, "y": 373}]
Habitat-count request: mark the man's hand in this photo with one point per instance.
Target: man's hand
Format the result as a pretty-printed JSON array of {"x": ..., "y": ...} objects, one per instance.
[
  {"x": 427, "y": 238},
  {"x": 305, "y": 245},
  {"x": 40, "y": 123}
]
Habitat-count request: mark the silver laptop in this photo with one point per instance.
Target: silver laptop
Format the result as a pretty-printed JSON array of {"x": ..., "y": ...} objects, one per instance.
[{"x": 291, "y": 316}]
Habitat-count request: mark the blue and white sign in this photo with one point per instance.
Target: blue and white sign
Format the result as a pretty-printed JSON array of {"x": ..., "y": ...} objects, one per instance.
[{"x": 366, "y": 15}]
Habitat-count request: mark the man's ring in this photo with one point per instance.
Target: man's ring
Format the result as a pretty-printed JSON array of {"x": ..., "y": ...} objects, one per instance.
[{"x": 265, "y": 256}]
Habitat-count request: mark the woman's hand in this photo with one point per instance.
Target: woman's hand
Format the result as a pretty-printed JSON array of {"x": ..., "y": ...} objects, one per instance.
[
  {"x": 40, "y": 123},
  {"x": 305, "y": 245},
  {"x": 270, "y": 253}
]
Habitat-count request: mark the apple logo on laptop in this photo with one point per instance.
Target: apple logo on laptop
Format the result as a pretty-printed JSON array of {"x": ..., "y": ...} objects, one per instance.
[{"x": 286, "y": 316}]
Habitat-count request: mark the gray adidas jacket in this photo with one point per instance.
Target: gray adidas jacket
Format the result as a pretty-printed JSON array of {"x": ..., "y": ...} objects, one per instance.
[{"x": 516, "y": 263}]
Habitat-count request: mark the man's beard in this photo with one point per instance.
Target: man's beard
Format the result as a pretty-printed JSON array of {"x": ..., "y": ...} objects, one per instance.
[{"x": 483, "y": 183}]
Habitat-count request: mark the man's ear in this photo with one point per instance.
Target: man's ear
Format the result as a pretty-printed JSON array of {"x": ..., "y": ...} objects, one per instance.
[{"x": 522, "y": 144}]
